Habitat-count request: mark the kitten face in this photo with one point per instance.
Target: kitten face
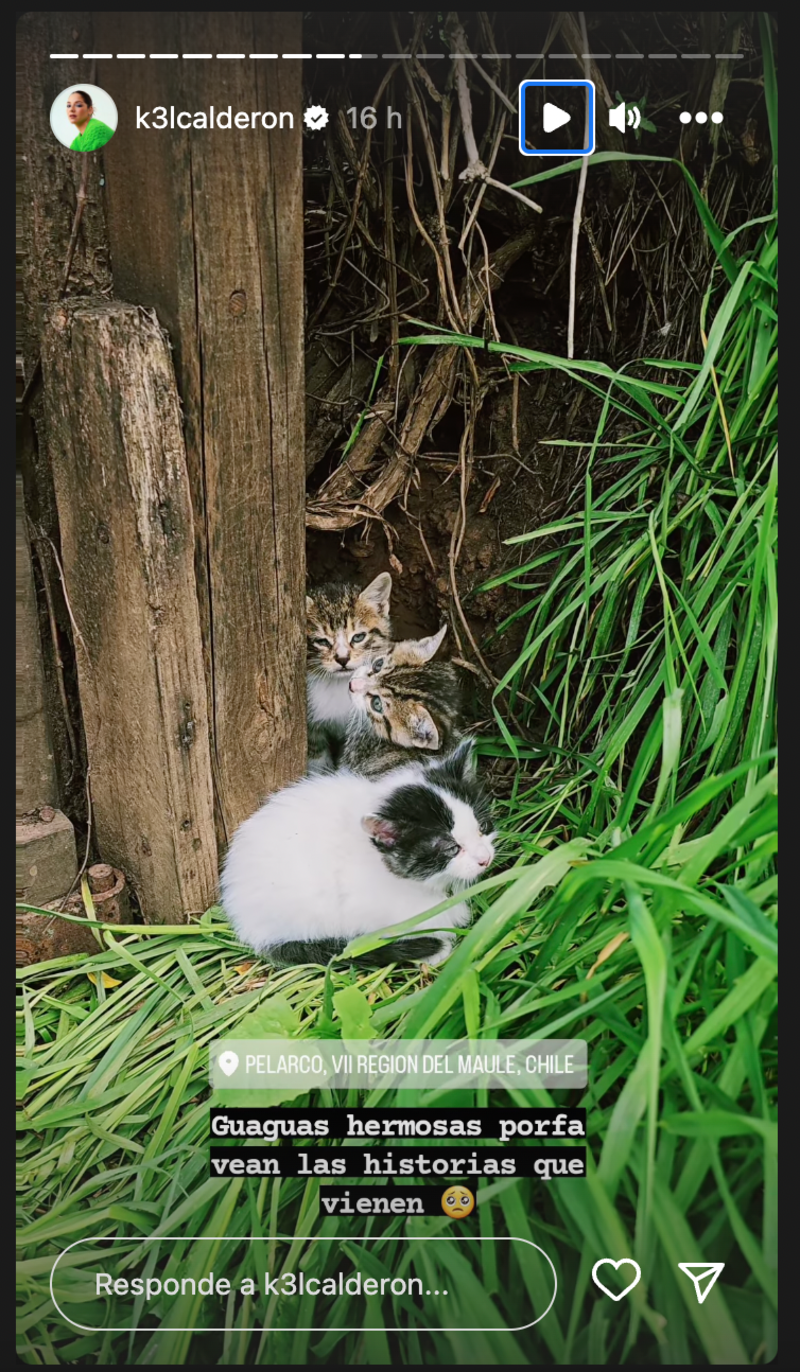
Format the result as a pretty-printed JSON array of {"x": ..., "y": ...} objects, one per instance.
[
  {"x": 439, "y": 830},
  {"x": 345, "y": 626},
  {"x": 406, "y": 652},
  {"x": 400, "y": 720},
  {"x": 412, "y": 706}
]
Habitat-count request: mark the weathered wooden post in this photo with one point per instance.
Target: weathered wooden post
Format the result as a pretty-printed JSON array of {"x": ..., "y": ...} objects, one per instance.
[
  {"x": 46, "y": 861},
  {"x": 127, "y": 541},
  {"x": 206, "y": 225},
  {"x": 181, "y": 521},
  {"x": 49, "y": 177}
]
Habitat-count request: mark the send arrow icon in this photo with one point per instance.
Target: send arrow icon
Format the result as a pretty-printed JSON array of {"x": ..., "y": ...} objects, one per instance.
[
  {"x": 553, "y": 117},
  {"x": 703, "y": 1274}
]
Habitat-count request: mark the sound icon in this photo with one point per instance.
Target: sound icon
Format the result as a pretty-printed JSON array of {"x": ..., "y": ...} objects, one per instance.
[{"x": 617, "y": 118}]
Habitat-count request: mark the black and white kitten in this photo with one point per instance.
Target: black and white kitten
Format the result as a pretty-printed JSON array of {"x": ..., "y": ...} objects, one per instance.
[
  {"x": 336, "y": 855},
  {"x": 345, "y": 626}
]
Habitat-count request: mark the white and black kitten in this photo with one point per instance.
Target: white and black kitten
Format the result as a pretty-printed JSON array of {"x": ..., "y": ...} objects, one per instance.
[
  {"x": 345, "y": 626},
  {"x": 338, "y": 855}
]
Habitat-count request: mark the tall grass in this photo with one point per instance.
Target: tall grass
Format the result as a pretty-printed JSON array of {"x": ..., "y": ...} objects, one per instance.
[{"x": 637, "y": 910}]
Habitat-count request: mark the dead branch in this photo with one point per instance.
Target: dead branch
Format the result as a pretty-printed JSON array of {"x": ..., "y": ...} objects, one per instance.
[
  {"x": 607, "y": 137},
  {"x": 576, "y": 218},
  {"x": 475, "y": 169},
  {"x": 342, "y": 490},
  {"x": 76, "y": 223}
]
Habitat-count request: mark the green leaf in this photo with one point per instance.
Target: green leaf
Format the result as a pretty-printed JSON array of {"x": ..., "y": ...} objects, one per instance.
[
  {"x": 353, "y": 1009},
  {"x": 272, "y": 1018},
  {"x": 720, "y": 1124}
]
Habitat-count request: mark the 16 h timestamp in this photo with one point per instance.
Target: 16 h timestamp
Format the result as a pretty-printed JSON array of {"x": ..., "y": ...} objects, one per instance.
[{"x": 368, "y": 117}]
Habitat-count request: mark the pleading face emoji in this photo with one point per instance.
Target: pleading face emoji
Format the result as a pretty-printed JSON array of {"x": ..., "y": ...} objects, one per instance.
[{"x": 458, "y": 1202}]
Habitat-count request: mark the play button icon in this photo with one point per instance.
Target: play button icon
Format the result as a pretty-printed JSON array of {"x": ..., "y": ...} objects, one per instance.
[
  {"x": 553, "y": 117},
  {"x": 556, "y": 118}
]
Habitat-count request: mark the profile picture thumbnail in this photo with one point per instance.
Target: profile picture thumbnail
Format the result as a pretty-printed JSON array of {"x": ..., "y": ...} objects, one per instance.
[{"x": 83, "y": 118}]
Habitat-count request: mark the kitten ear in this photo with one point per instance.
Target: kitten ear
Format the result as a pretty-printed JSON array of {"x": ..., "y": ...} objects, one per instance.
[
  {"x": 464, "y": 758},
  {"x": 381, "y": 831},
  {"x": 377, "y": 594},
  {"x": 424, "y": 733},
  {"x": 309, "y": 605},
  {"x": 411, "y": 652}
]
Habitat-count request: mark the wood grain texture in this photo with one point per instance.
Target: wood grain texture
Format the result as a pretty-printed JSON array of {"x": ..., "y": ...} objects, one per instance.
[
  {"x": 127, "y": 540},
  {"x": 53, "y": 173},
  {"x": 36, "y": 773},
  {"x": 206, "y": 226},
  {"x": 49, "y": 178}
]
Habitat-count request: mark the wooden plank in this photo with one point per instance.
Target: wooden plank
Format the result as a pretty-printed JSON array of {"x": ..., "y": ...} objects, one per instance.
[
  {"x": 127, "y": 542},
  {"x": 46, "y": 859},
  {"x": 36, "y": 773},
  {"x": 53, "y": 173},
  {"x": 49, "y": 178},
  {"x": 207, "y": 227},
  {"x": 149, "y": 194}
]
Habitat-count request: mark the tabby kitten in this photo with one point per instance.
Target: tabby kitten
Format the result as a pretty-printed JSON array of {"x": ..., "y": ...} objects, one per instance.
[
  {"x": 406, "y": 652},
  {"x": 400, "y": 707},
  {"x": 345, "y": 627}
]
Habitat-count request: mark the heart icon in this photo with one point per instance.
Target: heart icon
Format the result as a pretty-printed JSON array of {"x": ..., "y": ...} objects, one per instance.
[
  {"x": 229, "y": 1062},
  {"x": 617, "y": 1265}
]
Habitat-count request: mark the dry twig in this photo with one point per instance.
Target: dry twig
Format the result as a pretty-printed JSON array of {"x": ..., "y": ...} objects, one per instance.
[
  {"x": 37, "y": 542},
  {"x": 76, "y": 222},
  {"x": 576, "y": 218},
  {"x": 475, "y": 169}
]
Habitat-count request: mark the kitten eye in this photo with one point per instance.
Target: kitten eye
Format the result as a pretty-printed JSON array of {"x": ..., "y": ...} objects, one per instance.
[
  {"x": 377, "y": 664},
  {"x": 377, "y": 704},
  {"x": 321, "y": 642},
  {"x": 449, "y": 847},
  {"x": 358, "y": 638}
]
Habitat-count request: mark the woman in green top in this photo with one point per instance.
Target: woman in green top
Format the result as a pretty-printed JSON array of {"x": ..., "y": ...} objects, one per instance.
[{"x": 92, "y": 133}]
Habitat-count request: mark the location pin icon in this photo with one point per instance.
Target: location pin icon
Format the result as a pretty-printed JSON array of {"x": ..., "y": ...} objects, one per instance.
[{"x": 228, "y": 1061}]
